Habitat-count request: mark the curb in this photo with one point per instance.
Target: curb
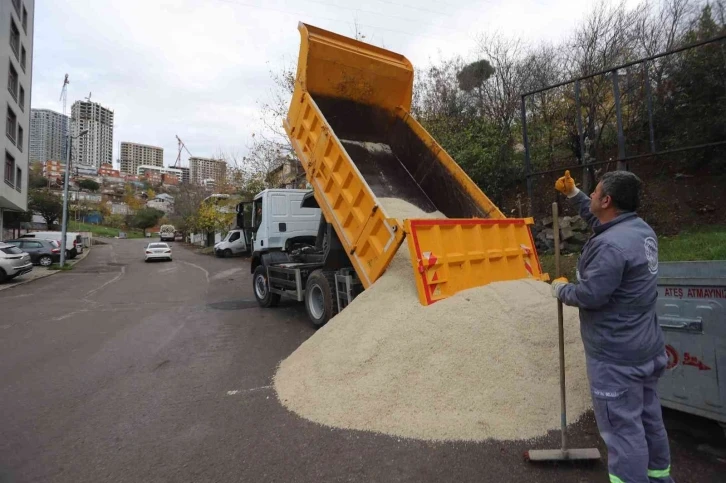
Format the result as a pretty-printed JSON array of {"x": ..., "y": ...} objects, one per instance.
[{"x": 44, "y": 275}]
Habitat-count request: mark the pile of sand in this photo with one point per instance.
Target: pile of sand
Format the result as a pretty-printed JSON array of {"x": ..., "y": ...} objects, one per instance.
[{"x": 482, "y": 364}]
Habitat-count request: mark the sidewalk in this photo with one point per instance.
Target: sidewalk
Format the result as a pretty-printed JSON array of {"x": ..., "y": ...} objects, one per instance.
[{"x": 40, "y": 272}]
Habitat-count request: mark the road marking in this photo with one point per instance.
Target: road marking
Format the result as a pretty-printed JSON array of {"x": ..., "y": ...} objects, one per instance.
[
  {"x": 70, "y": 314},
  {"x": 241, "y": 391},
  {"x": 170, "y": 269},
  {"x": 226, "y": 273},
  {"x": 206, "y": 273},
  {"x": 114, "y": 279}
]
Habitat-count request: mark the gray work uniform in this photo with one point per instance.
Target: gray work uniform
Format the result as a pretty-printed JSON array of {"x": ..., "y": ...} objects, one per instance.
[{"x": 624, "y": 346}]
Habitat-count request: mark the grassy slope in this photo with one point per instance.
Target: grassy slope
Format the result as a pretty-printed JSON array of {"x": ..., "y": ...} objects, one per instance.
[
  {"x": 100, "y": 230},
  {"x": 702, "y": 243}
]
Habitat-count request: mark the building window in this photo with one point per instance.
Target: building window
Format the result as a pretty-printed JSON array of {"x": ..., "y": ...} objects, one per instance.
[
  {"x": 11, "y": 127},
  {"x": 20, "y": 138},
  {"x": 14, "y": 38},
  {"x": 25, "y": 19},
  {"x": 21, "y": 99},
  {"x": 13, "y": 81},
  {"x": 18, "y": 179},
  {"x": 9, "y": 169},
  {"x": 23, "y": 57},
  {"x": 16, "y": 4}
]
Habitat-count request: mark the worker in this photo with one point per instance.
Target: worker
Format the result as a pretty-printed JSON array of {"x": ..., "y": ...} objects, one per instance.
[{"x": 624, "y": 346}]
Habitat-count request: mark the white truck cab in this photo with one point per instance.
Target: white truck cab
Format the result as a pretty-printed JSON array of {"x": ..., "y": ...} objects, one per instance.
[{"x": 279, "y": 222}]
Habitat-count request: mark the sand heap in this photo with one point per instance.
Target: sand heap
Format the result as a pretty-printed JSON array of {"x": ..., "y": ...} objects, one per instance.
[{"x": 482, "y": 364}]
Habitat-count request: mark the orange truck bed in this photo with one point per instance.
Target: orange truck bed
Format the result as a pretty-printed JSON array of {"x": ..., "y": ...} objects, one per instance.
[{"x": 350, "y": 126}]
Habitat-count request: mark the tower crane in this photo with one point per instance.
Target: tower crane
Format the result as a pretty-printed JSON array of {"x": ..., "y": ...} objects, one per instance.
[{"x": 181, "y": 144}]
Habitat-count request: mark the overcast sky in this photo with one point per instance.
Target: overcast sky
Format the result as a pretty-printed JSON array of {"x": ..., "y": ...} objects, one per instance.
[{"x": 199, "y": 68}]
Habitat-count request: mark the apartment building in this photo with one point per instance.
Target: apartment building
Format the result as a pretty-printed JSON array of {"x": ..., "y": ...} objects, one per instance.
[
  {"x": 201, "y": 169},
  {"x": 16, "y": 57},
  {"x": 134, "y": 155},
  {"x": 96, "y": 147},
  {"x": 158, "y": 172},
  {"x": 107, "y": 171},
  {"x": 48, "y": 135},
  {"x": 53, "y": 170},
  {"x": 185, "y": 174}
]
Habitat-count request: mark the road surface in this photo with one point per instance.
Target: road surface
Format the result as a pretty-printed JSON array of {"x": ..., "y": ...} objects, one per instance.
[{"x": 122, "y": 371}]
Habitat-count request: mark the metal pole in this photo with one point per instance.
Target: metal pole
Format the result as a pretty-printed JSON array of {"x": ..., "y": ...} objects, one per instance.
[
  {"x": 527, "y": 163},
  {"x": 561, "y": 330},
  {"x": 649, "y": 102},
  {"x": 64, "y": 221},
  {"x": 581, "y": 136},
  {"x": 622, "y": 165}
]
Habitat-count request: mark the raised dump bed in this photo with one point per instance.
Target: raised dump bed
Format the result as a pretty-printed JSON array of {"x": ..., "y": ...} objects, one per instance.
[{"x": 350, "y": 126}]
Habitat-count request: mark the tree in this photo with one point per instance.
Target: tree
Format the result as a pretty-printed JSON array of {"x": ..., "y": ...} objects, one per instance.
[
  {"x": 47, "y": 205},
  {"x": 89, "y": 184},
  {"x": 212, "y": 216},
  {"x": 14, "y": 219},
  {"x": 473, "y": 76},
  {"x": 146, "y": 218}
]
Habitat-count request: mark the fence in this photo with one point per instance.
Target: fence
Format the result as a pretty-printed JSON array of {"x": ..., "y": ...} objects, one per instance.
[{"x": 664, "y": 107}]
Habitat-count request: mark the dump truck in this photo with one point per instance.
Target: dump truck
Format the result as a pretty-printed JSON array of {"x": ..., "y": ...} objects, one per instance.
[{"x": 350, "y": 125}]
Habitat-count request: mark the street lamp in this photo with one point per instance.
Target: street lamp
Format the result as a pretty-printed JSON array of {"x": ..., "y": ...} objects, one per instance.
[{"x": 64, "y": 222}]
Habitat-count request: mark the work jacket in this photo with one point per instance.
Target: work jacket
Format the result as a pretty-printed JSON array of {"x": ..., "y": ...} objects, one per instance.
[{"x": 616, "y": 289}]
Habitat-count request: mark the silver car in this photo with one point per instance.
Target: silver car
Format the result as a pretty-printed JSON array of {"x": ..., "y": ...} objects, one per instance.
[{"x": 13, "y": 262}]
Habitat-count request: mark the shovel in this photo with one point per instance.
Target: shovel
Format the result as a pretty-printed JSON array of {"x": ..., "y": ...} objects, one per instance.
[{"x": 564, "y": 453}]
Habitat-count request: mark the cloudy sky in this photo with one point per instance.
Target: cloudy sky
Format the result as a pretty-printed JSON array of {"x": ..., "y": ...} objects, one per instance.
[{"x": 199, "y": 68}]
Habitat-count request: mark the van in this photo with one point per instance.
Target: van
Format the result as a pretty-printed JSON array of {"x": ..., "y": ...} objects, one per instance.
[{"x": 74, "y": 241}]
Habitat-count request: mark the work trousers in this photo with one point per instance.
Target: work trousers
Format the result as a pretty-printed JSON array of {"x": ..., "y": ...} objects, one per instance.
[{"x": 630, "y": 420}]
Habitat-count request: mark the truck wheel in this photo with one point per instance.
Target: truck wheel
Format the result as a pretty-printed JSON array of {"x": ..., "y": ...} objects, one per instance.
[
  {"x": 320, "y": 297},
  {"x": 73, "y": 253},
  {"x": 264, "y": 297},
  {"x": 227, "y": 253}
]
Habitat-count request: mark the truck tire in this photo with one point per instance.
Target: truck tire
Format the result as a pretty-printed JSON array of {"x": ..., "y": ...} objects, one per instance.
[
  {"x": 227, "y": 253},
  {"x": 264, "y": 297},
  {"x": 320, "y": 301},
  {"x": 73, "y": 253}
]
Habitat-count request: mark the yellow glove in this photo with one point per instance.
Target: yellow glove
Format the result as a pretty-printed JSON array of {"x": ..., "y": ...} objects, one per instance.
[
  {"x": 557, "y": 285},
  {"x": 566, "y": 185}
]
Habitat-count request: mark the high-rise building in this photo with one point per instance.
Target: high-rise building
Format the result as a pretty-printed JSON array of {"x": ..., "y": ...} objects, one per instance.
[
  {"x": 185, "y": 173},
  {"x": 201, "y": 169},
  {"x": 48, "y": 135},
  {"x": 133, "y": 155},
  {"x": 96, "y": 147},
  {"x": 16, "y": 55}
]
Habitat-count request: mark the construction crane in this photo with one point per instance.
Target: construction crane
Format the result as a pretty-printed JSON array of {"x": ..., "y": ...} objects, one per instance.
[{"x": 181, "y": 144}]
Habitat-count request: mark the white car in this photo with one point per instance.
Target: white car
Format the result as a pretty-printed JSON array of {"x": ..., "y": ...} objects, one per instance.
[
  {"x": 13, "y": 262},
  {"x": 157, "y": 251}
]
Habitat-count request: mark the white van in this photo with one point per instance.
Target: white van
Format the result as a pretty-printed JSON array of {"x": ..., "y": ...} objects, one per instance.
[
  {"x": 232, "y": 244},
  {"x": 74, "y": 241}
]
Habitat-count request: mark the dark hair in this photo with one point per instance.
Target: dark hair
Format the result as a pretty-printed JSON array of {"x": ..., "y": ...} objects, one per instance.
[{"x": 624, "y": 189}]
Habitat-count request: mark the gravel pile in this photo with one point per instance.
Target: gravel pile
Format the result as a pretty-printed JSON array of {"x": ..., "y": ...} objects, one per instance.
[{"x": 482, "y": 364}]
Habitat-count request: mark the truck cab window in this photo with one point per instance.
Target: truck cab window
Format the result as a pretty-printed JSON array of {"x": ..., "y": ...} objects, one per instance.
[{"x": 256, "y": 214}]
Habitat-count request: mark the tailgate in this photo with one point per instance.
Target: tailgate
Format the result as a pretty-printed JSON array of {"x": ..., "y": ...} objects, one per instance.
[{"x": 451, "y": 255}]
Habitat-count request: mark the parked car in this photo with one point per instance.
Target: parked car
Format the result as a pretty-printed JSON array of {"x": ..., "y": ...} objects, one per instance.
[
  {"x": 13, "y": 262},
  {"x": 74, "y": 241},
  {"x": 42, "y": 252},
  {"x": 157, "y": 251}
]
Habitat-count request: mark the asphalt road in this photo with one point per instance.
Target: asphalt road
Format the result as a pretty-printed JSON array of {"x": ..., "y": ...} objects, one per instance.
[{"x": 123, "y": 371}]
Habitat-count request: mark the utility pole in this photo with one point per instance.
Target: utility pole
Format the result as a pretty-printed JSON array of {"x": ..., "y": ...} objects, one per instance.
[{"x": 64, "y": 220}]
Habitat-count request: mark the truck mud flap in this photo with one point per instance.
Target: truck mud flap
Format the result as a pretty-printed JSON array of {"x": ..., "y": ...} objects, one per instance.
[{"x": 451, "y": 255}]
